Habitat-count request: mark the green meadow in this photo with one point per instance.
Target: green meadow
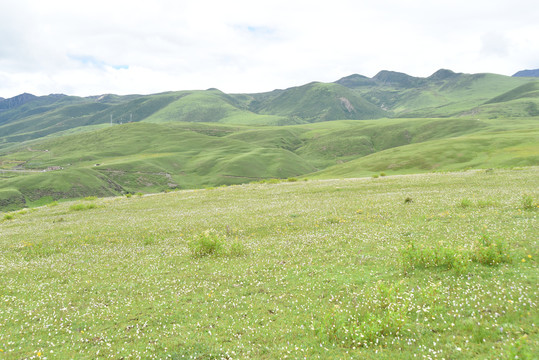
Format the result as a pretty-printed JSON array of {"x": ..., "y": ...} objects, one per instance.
[
  {"x": 391, "y": 217},
  {"x": 155, "y": 157},
  {"x": 440, "y": 265}
]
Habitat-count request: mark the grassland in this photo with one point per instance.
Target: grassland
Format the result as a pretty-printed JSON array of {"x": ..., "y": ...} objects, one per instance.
[
  {"x": 152, "y": 157},
  {"x": 416, "y": 266}
]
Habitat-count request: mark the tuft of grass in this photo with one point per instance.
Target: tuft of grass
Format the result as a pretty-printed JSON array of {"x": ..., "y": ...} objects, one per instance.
[
  {"x": 528, "y": 202},
  {"x": 208, "y": 243},
  {"x": 213, "y": 243},
  {"x": 422, "y": 257},
  {"x": 9, "y": 216},
  {"x": 382, "y": 313},
  {"x": 488, "y": 251},
  {"x": 465, "y": 203},
  {"x": 408, "y": 200},
  {"x": 80, "y": 207},
  {"x": 90, "y": 198},
  {"x": 485, "y": 251}
]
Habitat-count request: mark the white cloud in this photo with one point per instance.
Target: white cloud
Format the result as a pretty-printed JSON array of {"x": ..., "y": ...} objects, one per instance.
[{"x": 120, "y": 46}]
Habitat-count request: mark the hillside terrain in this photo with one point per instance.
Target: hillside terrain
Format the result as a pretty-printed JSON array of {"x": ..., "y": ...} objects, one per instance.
[
  {"x": 58, "y": 146},
  {"x": 395, "y": 267}
]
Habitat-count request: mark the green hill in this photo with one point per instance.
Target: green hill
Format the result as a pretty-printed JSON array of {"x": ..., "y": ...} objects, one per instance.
[
  {"x": 442, "y": 94},
  {"x": 317, "y": 102},
  {"x": 152, "y": 157},
  {"x": 54, "y": 147}
]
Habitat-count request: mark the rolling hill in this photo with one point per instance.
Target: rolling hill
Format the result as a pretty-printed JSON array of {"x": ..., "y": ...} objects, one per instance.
[{"x": 57, "y": 146}]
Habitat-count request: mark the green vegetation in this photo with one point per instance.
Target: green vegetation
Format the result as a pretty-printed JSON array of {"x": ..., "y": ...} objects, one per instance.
[
  {"x": 60, "y": 147},
  {"x": 232, "y": 256},
  {"x": 320, "y": 269},
  {"x": 144, "y": 157}
]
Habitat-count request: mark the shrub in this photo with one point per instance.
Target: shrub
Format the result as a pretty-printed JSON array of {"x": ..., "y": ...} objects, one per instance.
[
  {"x": 408, "y": 200},
  {"x": 464, "y": 203},
  {"x": 292, "y": 179},
  {"x": 528, "y": 203},
  {"x": 80, "y": 207},
  {"x": 413, "y": 257},
  {"x": 485, "y": 252},
  {"x": 209, "y": 243},
  {"x": 237, "y": 248},
  {"x": 382, "y": 174},
  {"x": 213, "y": 243},
  {"x": 490, "y": 252},
  {"x": 381, "y": 313},
  {"x": 90, "y": 198},
  {"x": 9, "y": 217},
  {"x": 128, "y": 195},
  {"x": 149, "y": 240}
]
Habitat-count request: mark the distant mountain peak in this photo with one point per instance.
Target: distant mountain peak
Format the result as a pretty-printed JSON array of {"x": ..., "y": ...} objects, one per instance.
[
  {"x": 355, "y": 80},
  {"x": 396, "y": 78},
  {"x": 527, "y": 73},
  {"x": 15, "y": 101},
  {"x": 443, "y": 74}
]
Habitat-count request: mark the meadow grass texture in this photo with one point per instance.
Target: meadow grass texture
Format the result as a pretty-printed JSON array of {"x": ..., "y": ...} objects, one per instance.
[{"x": 432, "y": 266}]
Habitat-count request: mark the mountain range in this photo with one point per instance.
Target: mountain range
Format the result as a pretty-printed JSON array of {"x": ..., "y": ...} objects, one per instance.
[{"x": 60, "y": 146}]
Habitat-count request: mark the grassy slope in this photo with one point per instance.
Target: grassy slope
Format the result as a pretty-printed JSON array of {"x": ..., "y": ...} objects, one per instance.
[
  {"x": 317, "y": 102},
  {"x": 320, "y": 272},
  {"x": 209, "y": 106},
  {"x": 147, "y": 157},
  {"x": 443, "y": 97},
  {"x": 154, "y": 157}
]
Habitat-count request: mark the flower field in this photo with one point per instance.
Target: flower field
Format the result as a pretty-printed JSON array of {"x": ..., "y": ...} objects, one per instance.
[{"x": 431, "y": 266}]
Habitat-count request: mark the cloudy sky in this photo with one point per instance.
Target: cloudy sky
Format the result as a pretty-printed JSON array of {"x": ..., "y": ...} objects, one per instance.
[{"x": 82, "y": 47}]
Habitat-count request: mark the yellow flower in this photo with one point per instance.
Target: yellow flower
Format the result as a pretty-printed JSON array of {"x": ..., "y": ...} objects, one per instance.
[
  {"x": 523, "y": 260},
  {"x": 530, "y": 256},
  {"x": 39, "y": 353}
]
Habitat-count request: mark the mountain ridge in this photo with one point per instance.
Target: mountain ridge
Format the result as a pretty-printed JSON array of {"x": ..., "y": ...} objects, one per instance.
[{"x": 527, "y": 73}]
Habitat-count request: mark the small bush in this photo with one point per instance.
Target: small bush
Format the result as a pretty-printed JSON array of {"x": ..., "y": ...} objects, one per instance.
[
  {"x": 375, "y": 176},
  {"x": 237, "y": 248},
  {"x": 54, "y": 203},
  {"x": 90, "y": 198},
  {"x": 209, "y": 243},
  {"x": 465, "y": 203},
  {"x": 292, "y": 179},
  {"x": 80, "y": 207},
  {"x": 139, "y": 194},
  {"x": 382, "y": 313},
  {"x": 128, "y": 195},
  {"x": 383, "y": 174},
  {"x": 9, "y": 217},
  {"x": 490, "y": 252},
  {"x": 528, "y": 203},
  {"x": 413, "y": 257},
  {"x": 213, "y": 243},
  {"x": 149, "y": 240},
  {"x": 485, "y": 252},
  {"x": 408, "y": 200}
]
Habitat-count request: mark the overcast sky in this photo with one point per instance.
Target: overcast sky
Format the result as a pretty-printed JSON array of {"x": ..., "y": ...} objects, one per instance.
[{"x": 82, "y": 47}]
